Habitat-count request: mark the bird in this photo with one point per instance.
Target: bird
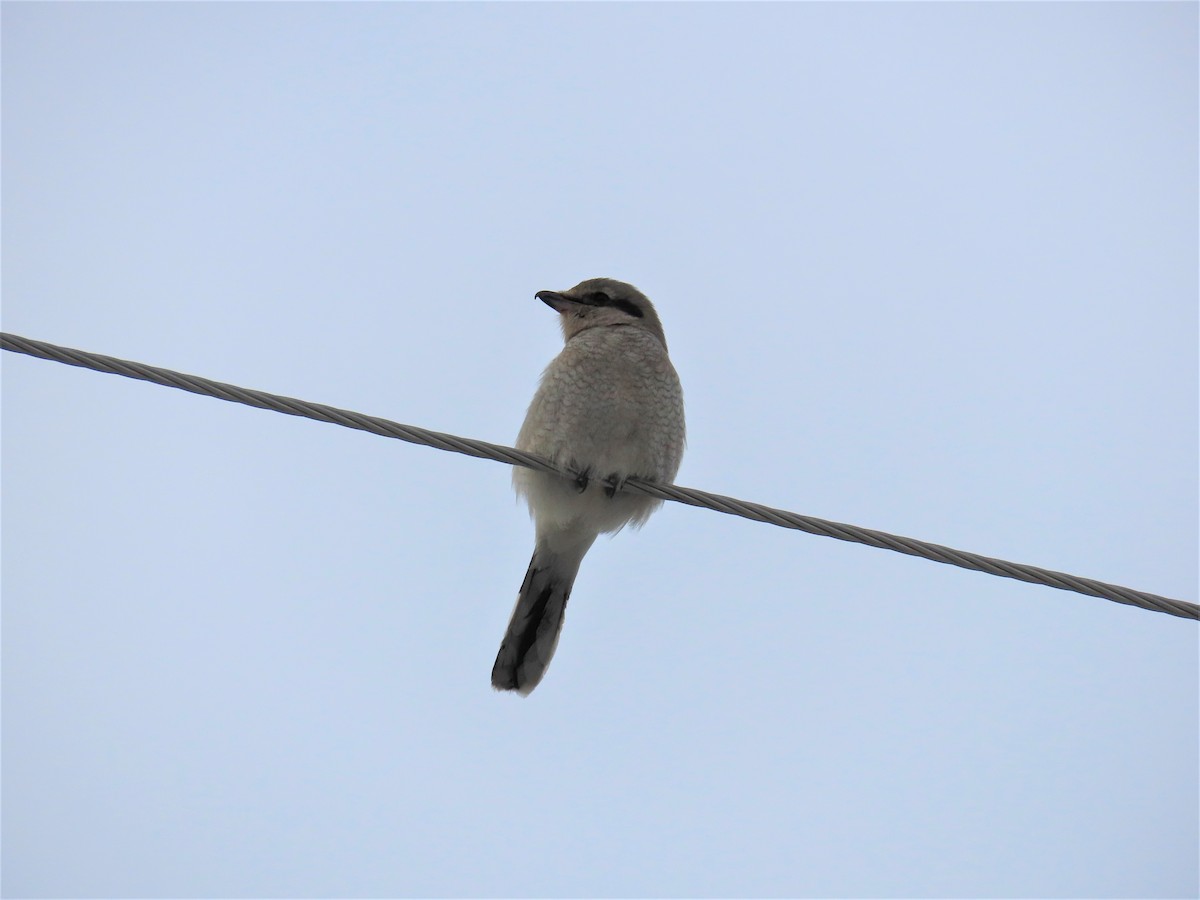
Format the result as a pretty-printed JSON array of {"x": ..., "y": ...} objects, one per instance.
[{"x": 609, "y": 407}]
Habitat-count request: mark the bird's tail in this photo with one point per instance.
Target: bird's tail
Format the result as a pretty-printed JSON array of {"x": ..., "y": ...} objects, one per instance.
[{"x": 537, "y": 619}]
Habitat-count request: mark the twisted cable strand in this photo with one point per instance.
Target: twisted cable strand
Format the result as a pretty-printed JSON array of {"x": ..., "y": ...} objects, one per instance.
[{"x": 690, "y": 496}]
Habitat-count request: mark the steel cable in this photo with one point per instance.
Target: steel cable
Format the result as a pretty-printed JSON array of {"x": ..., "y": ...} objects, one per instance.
[{"x": 690, "y": 496}]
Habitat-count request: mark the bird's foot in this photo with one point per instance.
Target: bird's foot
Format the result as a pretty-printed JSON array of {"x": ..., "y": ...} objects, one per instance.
[
  {"x": 583, "y": 479},
  {"x": 613, "y": 483}
]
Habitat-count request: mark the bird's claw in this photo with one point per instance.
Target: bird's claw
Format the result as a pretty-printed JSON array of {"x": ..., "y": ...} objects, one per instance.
[
  {"x": 582, "y": 480},
  {"x": 612, "y": 484}
]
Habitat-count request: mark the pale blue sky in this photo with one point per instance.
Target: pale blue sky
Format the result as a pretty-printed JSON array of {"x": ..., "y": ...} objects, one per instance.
[{"x": 924, "y": 268}]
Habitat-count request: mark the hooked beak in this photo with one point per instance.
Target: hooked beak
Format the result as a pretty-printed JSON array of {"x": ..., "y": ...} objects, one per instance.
[
  {"x": 560, "y": 302},
  {"x": 553, "y": 299}
]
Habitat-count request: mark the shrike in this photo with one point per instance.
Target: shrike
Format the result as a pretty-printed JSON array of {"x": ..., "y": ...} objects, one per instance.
[{"x": 609, "y": 406}]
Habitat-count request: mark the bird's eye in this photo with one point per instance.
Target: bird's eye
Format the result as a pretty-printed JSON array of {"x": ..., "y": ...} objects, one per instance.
[{"x": 600, "y": 298}]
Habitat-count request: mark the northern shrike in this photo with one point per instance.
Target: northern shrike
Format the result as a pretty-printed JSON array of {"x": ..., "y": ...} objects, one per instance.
[{"x": 609, "y": 406}]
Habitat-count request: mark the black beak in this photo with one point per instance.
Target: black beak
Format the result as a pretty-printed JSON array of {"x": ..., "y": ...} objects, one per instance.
[{"x": 556, "y": 301}]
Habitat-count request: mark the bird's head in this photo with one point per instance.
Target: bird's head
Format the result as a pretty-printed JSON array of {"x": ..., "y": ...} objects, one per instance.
[{"x": 602, "y": 301}]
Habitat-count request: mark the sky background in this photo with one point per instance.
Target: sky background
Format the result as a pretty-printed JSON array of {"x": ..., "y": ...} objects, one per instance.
[{"x": 930, "y": 269}]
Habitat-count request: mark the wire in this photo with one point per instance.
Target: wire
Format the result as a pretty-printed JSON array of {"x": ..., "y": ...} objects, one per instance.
[{"x": 691, "y": 496}]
